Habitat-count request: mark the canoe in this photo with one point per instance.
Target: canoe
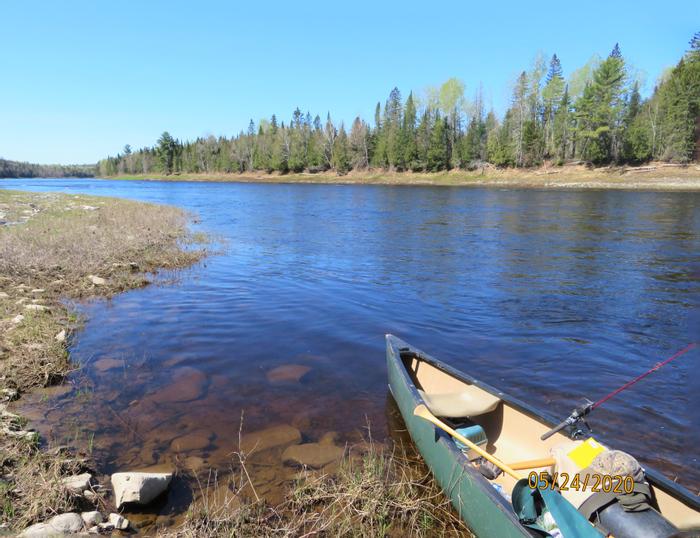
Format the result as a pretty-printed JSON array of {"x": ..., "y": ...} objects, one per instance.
[{"x": 513, "y": 430}]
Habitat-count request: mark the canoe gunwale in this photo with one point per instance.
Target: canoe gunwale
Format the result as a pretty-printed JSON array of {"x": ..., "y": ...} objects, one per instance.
[{"x": 656, "y": 478}]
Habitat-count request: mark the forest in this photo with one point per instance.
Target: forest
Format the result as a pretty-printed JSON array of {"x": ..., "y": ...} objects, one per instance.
[
  {"x": 10, "y": 169},
  {"x": 596, "y": 115}
]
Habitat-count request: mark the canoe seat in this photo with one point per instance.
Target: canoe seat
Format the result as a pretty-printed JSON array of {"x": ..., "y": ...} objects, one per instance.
[{"x": 460, "y": 404}]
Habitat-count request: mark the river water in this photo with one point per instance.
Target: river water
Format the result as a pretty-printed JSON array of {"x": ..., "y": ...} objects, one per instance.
[{"x": 551, "y": 296}]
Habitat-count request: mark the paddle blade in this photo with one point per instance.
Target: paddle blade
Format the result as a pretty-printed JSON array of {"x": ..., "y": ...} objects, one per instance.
[{"x": 422, "y": 411}]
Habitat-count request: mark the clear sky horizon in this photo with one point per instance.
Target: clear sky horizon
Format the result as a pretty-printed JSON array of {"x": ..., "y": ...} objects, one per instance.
[{"x": 84, "y": 78}]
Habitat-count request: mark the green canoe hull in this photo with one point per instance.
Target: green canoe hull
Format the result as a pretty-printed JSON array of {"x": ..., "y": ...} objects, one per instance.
[{"x": 478, "y": 503}]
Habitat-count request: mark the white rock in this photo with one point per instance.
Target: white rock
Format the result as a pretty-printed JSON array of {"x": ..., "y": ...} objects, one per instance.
[
  {"x": 77, "y": 483},
  {"x": 92, "y": 519},
  {"x": 139, "y": 488},
  {"x": 94, "y": 530},
  {"x": 3, "y": 295},
  {"x": 97, "y": 281},
  {"x": 38, "y": 530},
  {"x": 36, "y": 307},
  {"x": 119, "y": 522},
  {"x": 66, "y": 523},
  {"x": 61, "y": 336},
  {"x": 38, "y": 290},
  {"x": 19, "y": 318}
]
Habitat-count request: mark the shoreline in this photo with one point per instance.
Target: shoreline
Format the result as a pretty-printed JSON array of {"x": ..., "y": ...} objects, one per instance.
[
  {"x": 654, "y": 177},
  {"x": 114, "y": 246}
]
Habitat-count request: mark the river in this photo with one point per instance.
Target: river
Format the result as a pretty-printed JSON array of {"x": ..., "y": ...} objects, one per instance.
[{"x": 551, "y": 295}]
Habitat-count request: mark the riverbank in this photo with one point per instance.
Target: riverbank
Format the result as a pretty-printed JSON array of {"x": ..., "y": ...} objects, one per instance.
[
  {"x": 655, "y": 176},
  {"x": 56, "y": 248}
]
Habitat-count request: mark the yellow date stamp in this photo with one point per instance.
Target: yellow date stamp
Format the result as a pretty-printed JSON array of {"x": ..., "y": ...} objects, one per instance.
[{"x": 593, "y": 483}]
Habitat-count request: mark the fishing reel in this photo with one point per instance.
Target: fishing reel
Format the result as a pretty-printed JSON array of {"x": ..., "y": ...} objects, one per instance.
[{"x": 576, "y": 421}]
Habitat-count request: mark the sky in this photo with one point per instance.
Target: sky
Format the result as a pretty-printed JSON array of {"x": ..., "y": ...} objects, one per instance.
[{"x": 80, "y": 79}]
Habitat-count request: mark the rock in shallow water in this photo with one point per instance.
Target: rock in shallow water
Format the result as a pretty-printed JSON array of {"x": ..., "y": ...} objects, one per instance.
[
  {"x": 192, "y": 441},
  {"x": 287, "y": 373},
  {"x": 269, "y": 438},
  {"x": 314, "y": 455},
  {"x": 139, "y": 487},
  {"x": 188, "y": 384}
]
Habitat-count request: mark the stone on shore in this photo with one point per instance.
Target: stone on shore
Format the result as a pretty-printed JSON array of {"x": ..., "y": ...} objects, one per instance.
[
  {"x": 314, "y": 455},
  {"x": 92, "y": 519},
  {"x": 19, "y": 318},
  {"x": 36, "y": 307},
  {"x": 3, "y": 295},
  {"x": 118, "y": 522},
  {"x": 61, "y": 336},
  {"x": 287, "y": 373},
  {"x": 97, "y": 281},
  {"x": 139, "y": 487},
  {"x": 270, "y": 438},
  {"x": 77, "y": 483},
  {"x": 57, "y": 525}
]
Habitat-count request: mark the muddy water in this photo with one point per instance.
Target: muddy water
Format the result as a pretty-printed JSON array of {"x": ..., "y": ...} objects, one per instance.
[{"x": 552, "y": 296}]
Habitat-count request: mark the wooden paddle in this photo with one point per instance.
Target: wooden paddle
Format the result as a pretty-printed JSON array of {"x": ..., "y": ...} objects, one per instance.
[
  {"x": 532, "y": 464},
  {"x": 423, "y": 412}
]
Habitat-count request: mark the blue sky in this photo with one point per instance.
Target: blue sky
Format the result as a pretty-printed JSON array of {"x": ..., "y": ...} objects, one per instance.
[{"x": 81, "y": 79}]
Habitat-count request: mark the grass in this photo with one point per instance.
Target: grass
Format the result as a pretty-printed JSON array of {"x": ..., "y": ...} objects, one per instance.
[
  {"x": 374, "y": 494},
  {"x": 55, "y": 247}
]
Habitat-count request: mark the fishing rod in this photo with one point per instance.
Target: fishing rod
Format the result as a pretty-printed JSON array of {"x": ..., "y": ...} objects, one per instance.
[{"x": 584, "y": 409}]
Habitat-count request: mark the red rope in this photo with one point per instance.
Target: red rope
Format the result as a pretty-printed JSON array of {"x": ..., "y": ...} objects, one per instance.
[{"x": 604, "y": 399}]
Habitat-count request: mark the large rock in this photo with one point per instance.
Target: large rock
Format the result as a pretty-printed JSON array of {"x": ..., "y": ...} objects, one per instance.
[
  {"x": 139, "y": 487},
  {"x": 270, "y": 438},
  {"x": 314, "y": 455},
  {"x": 56, "y": 526},
  {"x": 97, "y": 281},
  {"x": 287, "y": 373}
]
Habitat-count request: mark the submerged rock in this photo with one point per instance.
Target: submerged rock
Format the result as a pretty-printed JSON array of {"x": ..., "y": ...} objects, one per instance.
[
  {"x": 314, "y": 455},
  {"x": 139, "y": 487},
  {"x": 287, "y": 373},
  {"x": 270, "y": 437},
  {"x": 192, "y": 441},
  {"x": 107, "y": 364},
  {"x": 188, "y": 384}
]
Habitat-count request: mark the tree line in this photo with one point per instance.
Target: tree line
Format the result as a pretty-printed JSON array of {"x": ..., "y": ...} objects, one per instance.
[
  {"x": 11, "y": 169},
  {"x": 595, "y": 115}
]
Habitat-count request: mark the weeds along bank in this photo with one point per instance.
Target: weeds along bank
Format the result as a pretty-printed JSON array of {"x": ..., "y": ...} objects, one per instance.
[{"x": 55, "y": 247}]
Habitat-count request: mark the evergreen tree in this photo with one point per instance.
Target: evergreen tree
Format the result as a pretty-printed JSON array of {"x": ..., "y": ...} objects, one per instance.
[
  {"x": 341, "y": 158},
  {"x": 438, "y": 158},
  {"x": 408, "y": 135}
]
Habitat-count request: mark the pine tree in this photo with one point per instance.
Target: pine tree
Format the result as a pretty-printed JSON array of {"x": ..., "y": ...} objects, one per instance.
[
  {"x": 438, "y": 158},
  {"x": 409, "y": 143},
  {"x": 551, "y": 97},
  {"x": 341, "y": 158}
]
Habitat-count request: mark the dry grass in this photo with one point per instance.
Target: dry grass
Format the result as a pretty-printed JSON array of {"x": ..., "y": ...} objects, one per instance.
[
  {"x": 51, "y": 248},
  {"x": 373, "y": 495}
]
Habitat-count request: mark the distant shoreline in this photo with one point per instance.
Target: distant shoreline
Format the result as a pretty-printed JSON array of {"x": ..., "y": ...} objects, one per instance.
[{"x": 655, "y": 177}]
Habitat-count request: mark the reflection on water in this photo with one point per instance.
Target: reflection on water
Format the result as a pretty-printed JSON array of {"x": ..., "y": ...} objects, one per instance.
[{"x": 552, "y": 296}]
